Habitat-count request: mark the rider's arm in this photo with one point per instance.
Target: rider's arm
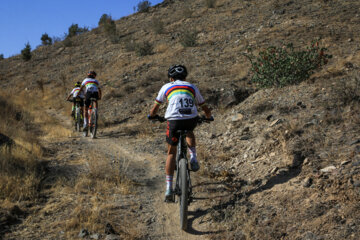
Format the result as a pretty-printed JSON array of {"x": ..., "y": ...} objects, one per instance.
[
  {"x": 100, "y": 94},
  {"x": 154, "y": 110},
  {"x": 207, "y": 111},
  {"x": 67, "y": 99}
]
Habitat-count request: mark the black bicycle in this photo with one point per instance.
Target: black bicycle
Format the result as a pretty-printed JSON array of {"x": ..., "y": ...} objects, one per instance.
[
  {"x": 77, "y": 117},
  {"x": 93, "y": 119},
  {"x": 183, "y": 187}
]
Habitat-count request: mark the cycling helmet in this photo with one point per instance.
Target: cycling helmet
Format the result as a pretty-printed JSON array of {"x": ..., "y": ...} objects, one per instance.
[
  {"x": 177, "y": 72},
  {"x": 78, "y": 84},
  {"x": 91, "y": 74}
]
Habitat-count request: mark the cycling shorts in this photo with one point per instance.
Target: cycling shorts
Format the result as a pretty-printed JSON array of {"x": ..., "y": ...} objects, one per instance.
[
  {"x": 89, "y": 95},
  {"x": 80, "y": 100},
  {"x": 172, "y": 136}
]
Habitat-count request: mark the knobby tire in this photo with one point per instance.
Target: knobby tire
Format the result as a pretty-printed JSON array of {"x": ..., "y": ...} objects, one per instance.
[
  {"x": 184, "y": 187},
  {"x": 93, "y": 123}
]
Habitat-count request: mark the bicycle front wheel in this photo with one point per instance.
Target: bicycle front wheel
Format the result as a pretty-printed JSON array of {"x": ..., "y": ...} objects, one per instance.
[
  {"x": 184, "y": 187},
  {"x": 94, "y": 117}
]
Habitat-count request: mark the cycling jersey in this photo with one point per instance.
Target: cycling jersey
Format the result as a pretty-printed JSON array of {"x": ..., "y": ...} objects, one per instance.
[
  {"x": 91, "y": 85},
  {"x": 182, "y": 99},
  {"x": 75, "y": 91}
]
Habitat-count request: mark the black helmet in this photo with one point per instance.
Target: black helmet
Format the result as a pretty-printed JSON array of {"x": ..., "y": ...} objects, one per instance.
[
  {"x": 78, "y": 84},
  {"x": 91, "y": 74},
  {"x": 177, "y": 72}
]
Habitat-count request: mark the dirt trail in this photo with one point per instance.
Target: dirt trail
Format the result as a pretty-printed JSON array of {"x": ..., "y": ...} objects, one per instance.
[{"x": 154, "y": 219}]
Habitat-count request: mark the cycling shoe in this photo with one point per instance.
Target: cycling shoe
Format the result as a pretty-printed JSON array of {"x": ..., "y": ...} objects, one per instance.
[{"x": 194, "y": 166}]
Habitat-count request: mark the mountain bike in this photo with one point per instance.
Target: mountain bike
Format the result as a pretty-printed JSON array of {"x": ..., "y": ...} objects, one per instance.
[
  {"x": 183, "y": 187},
  {"x": 93, "y": 119},
  {"x": 78, "y": 118}
]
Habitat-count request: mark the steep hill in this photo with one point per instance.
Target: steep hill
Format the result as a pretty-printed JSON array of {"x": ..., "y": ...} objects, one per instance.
[{"x": 276, "y": 164}]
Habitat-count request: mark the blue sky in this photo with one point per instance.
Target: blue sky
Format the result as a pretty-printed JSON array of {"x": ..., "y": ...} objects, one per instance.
[{"x": 23, "y": 21}]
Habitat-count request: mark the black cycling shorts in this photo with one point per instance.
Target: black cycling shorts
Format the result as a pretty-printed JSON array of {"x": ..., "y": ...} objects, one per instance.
[
  {"x": 172, "y": 136},
  {"x": 89, "y": 95},
  {"x": 80, "y": 100}
]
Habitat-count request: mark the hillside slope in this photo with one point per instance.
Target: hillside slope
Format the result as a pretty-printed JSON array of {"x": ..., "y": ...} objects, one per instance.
[{"x": 276, "y": 163}]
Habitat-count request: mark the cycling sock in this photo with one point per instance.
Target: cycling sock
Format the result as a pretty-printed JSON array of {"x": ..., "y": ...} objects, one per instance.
[
  {"x": 192, "y": 151},
  {"x": 169, "y": 180}
]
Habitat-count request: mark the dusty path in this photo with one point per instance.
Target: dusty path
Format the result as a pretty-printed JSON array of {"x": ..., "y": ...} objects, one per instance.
[{"x": 143, "y": 210}]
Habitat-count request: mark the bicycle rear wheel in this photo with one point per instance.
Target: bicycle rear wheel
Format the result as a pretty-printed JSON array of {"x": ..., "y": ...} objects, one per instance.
[
  {"x": 184, "y": 187},
  {"x": 78, "y": 120},
  {"x": 94, "y": 117}
]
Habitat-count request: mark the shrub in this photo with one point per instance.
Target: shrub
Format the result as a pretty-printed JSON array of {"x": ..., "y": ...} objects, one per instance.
[
  {"x": 278, "y": 67},
  {"x": 1, "y": 56},
  {"x": 26, "y": 52},
  {"x": 210, "y": 3},
  {"x": 103, "y": 19},
  {"x": 188, "y": 38},
  {"x": 143, "y": 6},
  {"x": 157, "y": 25},
  {"x": 45, "y": 39},
  {"x": 74, "y": 30},
  {"x": 144, "y": 48}
]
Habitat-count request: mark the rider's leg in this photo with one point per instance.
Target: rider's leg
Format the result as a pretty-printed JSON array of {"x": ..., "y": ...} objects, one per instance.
[
  {"x": 86, "y": 115},
  {"x": 190, "y": 140},
  {"x": 170, "y": 165}
]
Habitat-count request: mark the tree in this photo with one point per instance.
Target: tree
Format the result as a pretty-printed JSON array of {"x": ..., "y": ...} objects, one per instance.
[
  {"x": 26, "y": 52},
  {"x": 143, "y": 6},
  {"x": 45, "y": 39},
  {"x": 74, "y": 30}
]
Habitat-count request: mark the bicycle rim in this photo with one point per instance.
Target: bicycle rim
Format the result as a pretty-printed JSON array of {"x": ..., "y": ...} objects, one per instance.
[
  {"x": 184, "y": 187},
  {"x": 78, "y": 120}
]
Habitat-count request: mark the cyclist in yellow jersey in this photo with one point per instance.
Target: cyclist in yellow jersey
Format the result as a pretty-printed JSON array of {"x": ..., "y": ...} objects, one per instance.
[{"x": 181, "y": 114}]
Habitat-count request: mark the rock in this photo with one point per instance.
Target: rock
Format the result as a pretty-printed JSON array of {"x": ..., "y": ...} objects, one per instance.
[
  {"x": 307, "y": 182},
  {"x": 95, "y": 236},
  {"x": 345, "y": 162},
  {"x": 306, "y": 161},
  {"x": 238, "y": 117},
  {"x": 274, "y": 170},
  {"x": 112, "y": 237},
  {"x": 83, "y": 233},
  {"x": 275, "y": 122},
  {"x": 328, "y": 169}
]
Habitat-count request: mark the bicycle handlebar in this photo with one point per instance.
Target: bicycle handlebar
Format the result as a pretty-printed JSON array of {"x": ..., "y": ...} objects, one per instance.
[{"x": 200, "y": 119}]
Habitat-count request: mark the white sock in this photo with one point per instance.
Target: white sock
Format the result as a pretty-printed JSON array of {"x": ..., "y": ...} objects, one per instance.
[
  {"x": 192, "y": 151},
  {"x": 169, "y": 180}
]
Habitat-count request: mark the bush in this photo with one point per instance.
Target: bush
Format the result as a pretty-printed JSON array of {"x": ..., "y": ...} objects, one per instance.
[
  {"x": 210, "y": 3},
  {"x": 278, "y": 67},
  {"x": 26, "y": 52},
  {"x": 188, "y": 38},
  {"x": 74, "y": 30},
  {"x": 143, "y": 6},
  {"x": 144, "y": 48},
  {"x": 1, "y": 56},
  {"x": 45, "y": 39}
]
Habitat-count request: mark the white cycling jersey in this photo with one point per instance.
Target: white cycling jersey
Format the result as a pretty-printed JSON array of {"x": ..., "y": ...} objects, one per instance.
[
  {"x": 182, "y": 99},
  {"x": 75, "y": 93},
  {"x": 91, "y": 85}
]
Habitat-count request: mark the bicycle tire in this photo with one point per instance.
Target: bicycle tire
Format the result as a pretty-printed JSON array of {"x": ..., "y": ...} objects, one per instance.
[
  {"x": 78, "y": 120},
  {"x": 184, "y": 188},
  {"x": 93, "y": 123}
]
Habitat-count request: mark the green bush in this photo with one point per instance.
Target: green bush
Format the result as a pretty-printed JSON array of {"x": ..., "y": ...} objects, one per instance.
[
  {"x": 143, "y": 6},
  {"x": 74, "y": 30},
  {"x": 109, "y": 27},
  {"x": 281, "y": 66},
  {"x": 144, "y": 48},
  {"x": 26, "y": 52},
  {"x": 45, "y": 39},
  {"x": 188, "y": 38},
  {"x": 1, "y": 56}
]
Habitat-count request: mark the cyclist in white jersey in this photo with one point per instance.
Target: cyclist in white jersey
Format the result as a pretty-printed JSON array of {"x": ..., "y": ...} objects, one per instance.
[
  {"x": 181, "y": 114},
  {"x": 76, "y": 95},
  {"x": 91, "y": 89}
]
